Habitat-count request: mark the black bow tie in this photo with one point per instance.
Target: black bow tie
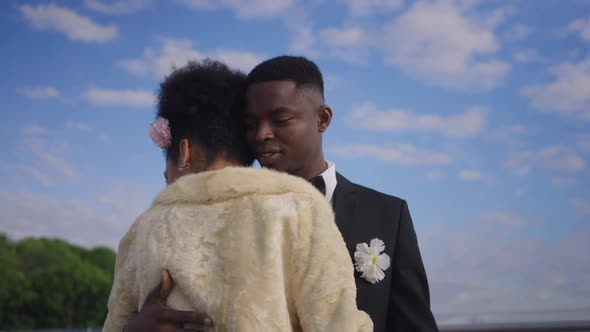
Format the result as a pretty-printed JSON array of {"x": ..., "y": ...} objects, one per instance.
[{"x": 319, "y": 183}]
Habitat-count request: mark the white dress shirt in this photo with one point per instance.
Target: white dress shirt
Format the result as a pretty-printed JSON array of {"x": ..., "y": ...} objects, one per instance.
[{"x": 329, "y": 176}]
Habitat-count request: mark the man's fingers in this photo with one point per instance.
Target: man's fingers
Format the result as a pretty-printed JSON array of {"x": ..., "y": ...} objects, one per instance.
[
  {"x": 161, "y": 292},
  {"x": 166, "y": 284},
  {"x": 194, "y": 328},
  {"x": 182, "y": 318},
  {"x": 153, "y": 296}
]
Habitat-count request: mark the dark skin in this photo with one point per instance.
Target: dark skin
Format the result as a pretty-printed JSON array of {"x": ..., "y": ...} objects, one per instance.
[
  {"x": 155, "y": 316},
  {"x": 285, "y": 126}
]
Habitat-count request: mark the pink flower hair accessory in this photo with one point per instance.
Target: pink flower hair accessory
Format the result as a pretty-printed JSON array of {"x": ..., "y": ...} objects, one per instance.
[{"x": 160, "y": 133}]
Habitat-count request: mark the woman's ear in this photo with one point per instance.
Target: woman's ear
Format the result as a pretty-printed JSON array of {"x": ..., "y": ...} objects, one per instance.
[{"x": 184, "y": 155}]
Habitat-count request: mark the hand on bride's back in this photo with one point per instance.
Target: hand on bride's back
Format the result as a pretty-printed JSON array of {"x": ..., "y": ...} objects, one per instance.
[{"x": 156, "y": 316}]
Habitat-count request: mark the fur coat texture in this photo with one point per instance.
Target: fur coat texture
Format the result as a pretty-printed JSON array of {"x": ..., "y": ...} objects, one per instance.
[{"x": 256, "y": 249}]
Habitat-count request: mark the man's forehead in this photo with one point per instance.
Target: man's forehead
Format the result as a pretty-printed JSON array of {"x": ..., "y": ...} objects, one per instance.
[
  {"x": 268, "y": 95},
  {"x": 271, "y": 88},
  {"x": 281, "y": 90}
]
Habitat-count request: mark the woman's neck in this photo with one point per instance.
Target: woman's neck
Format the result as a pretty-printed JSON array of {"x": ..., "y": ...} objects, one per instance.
[{"x": 221, "y": 163}]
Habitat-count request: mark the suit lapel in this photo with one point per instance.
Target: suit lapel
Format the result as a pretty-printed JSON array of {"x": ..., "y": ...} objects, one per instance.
[{"x": 345, "y": 209}]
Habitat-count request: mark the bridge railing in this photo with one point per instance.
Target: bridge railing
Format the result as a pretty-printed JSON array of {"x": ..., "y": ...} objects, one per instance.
[{"x": 559, "y": 326}]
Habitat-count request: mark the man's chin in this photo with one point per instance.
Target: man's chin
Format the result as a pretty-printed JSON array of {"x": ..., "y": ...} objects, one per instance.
[
  {"x": 277, "y": 166},
  {"x": 272, "y": 160}
]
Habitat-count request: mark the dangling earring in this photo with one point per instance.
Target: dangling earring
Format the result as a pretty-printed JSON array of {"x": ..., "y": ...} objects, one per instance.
[{"x": 182, "y": 168}]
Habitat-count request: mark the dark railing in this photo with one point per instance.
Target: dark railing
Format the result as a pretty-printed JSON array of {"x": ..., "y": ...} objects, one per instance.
[{"x": 569, "y": 326}]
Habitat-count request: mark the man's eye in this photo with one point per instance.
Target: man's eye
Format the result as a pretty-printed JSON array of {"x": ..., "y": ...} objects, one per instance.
[{"x": 282, "y": 121}]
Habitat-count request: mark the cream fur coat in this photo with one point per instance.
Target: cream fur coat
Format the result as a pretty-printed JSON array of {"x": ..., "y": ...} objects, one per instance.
[{"x": 256, "y": 249}]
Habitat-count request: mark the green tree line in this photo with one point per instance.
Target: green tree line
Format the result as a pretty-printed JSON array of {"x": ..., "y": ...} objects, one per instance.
[{"x": 50, "y": 283}]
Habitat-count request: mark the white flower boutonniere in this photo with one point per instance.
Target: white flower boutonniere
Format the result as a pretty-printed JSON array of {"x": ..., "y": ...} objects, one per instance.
[{"x": 370, "y": 261}]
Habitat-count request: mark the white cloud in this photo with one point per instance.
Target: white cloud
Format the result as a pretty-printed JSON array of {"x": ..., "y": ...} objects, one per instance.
[
  {"x": 44, "y": 156},
  {"x": 120, "y": 7},
  {"x": 29, "y": 171},
  {"x": 500, "y": 266},
  {"x": 568, "y": 93},
  {"x": 81, "y": 126},
  {"x": 445, "y": 45},
  {"x": 345, "y": 37},
  {"x": 303, "y": 39},
  {"x": 96, "y": 217},
  {"x": 434, "y": 175},
  {"x": 33, "y": 129},
  {"x": 58, "y": 164},
  {"x": 244, "y": 9},
  {"x": 474, "y": 175},
  {"x": 583, "y": 142},
  {"x": 581, "y": 26},
  {"x": 68, "y": 22},
  {"x": 401, "y": 154},
  {"x": 370, "y": 7},
  {"x": 238, "y": 59},
  {"x": 100, "y": 220},
  {"x": 509, "y": 133},
  {"x": 332, "y": 82},
  {"x": 582, "y": 206},
  {"x": 87, "y": 129},
  {"x": 518, "y": 32},
  {"x": 44, "y": 92},
  {"x": 554, "y": 157},
  {"x": 562, "y": 181},
  {"x": 467, "y": 124},
  {"x": 507, "y": 219},
  {"x": 177, "y": 52},
  {"x": 94, "y": 220},
  {"x": 526, "y": 55},
  {"x": 132, "y": 98},
  {"x": 558, "y": 157},
  {"x": 49, "y": 164},
  {"x": 350, "y": 44},
  {"x": 104, "y": 138},
  {"x": 470, "y": 175}
]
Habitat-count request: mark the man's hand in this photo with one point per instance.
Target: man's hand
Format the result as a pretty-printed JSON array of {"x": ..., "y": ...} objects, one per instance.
[{"x": 155, "y": 316}]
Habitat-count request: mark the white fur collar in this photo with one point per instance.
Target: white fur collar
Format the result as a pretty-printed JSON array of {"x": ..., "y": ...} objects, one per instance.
[{"x": 230, "y": 182}]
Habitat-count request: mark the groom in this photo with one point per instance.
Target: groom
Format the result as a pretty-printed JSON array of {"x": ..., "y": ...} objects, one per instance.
[{"x": 286, "y": 116}]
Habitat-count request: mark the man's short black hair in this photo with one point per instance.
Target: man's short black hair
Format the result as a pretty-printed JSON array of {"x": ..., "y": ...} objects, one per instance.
[{"x": 304, "y": 72}]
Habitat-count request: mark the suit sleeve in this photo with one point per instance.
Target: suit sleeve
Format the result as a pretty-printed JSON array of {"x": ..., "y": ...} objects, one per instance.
[
  {"x": 324, "y": 287},
  {"x": 409, "y": 307},
  {"x": 123, "y": 300}
]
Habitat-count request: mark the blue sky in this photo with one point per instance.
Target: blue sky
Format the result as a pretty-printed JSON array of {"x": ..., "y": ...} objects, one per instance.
[{"x": 476, "y": 112}]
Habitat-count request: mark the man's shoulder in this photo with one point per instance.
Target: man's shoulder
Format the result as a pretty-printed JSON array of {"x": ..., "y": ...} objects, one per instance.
[{"x": 363, "y": 191}]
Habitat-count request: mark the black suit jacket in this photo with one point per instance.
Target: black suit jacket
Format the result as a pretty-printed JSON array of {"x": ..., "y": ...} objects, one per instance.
[{"x": 401, "y": 301}]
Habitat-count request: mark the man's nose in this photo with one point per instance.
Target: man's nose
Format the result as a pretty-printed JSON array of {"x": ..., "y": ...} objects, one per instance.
[{"x": 264, "y": 132}]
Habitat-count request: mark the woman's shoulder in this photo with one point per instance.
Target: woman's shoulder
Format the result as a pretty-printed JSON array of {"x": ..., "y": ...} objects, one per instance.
[
  {"x": 265, "y": 179},
  {"x": 232, "y": 181}
]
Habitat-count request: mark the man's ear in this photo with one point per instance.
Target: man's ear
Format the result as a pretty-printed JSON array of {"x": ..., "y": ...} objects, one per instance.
[{"x": 324, "y": 118}]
